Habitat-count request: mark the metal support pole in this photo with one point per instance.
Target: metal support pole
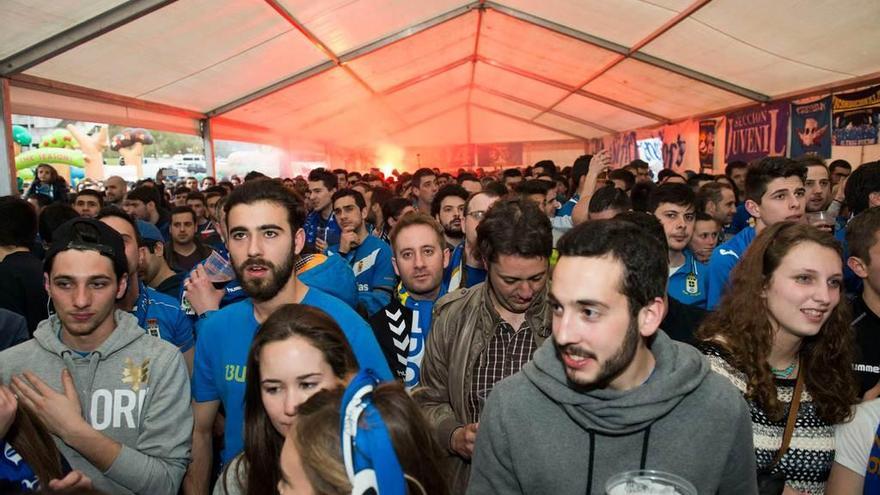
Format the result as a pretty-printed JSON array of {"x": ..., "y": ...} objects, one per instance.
[
  {"x": 208, "y": 144},
  {"x": 8, "y": 183}
]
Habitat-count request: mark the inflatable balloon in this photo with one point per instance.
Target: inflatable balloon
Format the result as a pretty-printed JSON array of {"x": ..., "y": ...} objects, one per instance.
[
  {"x": 21, "y": 135},
  {"x": 128, "y": 137},
  {"x": 59, "y": 138},
  {"x": 35, "y": 157}
]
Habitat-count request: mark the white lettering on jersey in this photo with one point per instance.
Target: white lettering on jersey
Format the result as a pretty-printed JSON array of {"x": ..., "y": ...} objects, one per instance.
[
  {"x": 728, "y": 252},
  {"x": 11, "y": 455}
]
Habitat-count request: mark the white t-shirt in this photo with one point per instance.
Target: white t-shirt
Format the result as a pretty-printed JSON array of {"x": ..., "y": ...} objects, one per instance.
[{"x": 854, "y": 439}]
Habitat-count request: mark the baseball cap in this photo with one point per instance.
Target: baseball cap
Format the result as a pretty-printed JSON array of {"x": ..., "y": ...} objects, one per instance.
[
  {"x": 88, "y": 234},
  {"x": 149, "y": 232}
]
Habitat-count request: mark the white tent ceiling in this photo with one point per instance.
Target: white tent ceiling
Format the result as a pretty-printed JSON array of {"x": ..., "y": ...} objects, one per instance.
[{"x": 355, "y": 73}]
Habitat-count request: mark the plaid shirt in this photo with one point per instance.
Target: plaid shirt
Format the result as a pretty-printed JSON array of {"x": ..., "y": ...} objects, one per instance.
[{"x": 507, "y": 352}]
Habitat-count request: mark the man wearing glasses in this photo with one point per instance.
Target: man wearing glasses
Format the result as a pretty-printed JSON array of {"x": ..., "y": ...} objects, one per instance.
[{"x": 466, "y": 268}]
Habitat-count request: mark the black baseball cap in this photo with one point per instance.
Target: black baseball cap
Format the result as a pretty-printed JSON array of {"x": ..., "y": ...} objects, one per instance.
[{"x": 88, "y": 234}]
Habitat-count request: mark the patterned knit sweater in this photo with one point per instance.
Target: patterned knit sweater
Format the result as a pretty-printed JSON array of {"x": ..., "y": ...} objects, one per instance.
[{"x": 811, "y": 453}]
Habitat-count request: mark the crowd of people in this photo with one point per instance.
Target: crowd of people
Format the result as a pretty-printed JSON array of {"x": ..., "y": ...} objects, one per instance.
[{"x": 528, "y": 330}]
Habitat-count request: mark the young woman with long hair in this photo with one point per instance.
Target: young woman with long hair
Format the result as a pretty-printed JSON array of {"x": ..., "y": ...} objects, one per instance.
[
  {"x": 298, "y": 351},
  {"x": 784, "y": 319},
  {"x": 314, "y": 459},
  {"x": 29, "y": 459}
]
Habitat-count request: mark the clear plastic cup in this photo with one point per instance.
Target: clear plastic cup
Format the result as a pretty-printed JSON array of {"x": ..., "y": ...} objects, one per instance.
[
  {"x": 821, "y": 220},
  {"x": 648, "y": 482}
]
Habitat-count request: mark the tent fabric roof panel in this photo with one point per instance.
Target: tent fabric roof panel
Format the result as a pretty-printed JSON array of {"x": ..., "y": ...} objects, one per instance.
[
  {"x": 533, "y": 48},
  {"x": 343, "y": 25},
  {"x": 445, "y": 128},
  {"x": 602, "y": 113},
  {"x": 503, "y": 104},
  {"x": 430, "y": 88},
  {"x": 419, "y": 54},
  {"x": 564, "y": 124},
  {"x": 624, "y": 22},
  {"x": 317, "y": 97},
  {"x": 659, "y": 91},
  {"x": 516, "y": 85},
  {"x": 718, "y": 40},
  {"x": 28, "y": 22},
  {"x": 177, "y": 42},
  {"x": 490, "y": 127},
  {"x": 429, "y": 108}
]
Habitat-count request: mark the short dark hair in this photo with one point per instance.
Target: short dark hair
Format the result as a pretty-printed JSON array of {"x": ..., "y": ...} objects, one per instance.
[
  {"x": 811, "y": 160},
  {"x": 381, "y": 195},
  {"x": 839, "y": 164},
  {"x": 216, "y": 190},
  {"x": 677, "y": 194},
  {"x": 198, "y": 197},
  {"x": 625, "y": 175},
  {"x": 711, "y": 193},
  {"x": 52, "y": 217},
  {"x": 761, "y": 172},
  {"x": 702, "y": 216},
  {"x": 344, "y": 193},
  {"x": 254, "y": 175},
  {"x": 548, "y": 165},
  {"x": 182, "y": 190},
  {"x": 144, "y": 194},
  {"x": 511, "y": 172},
  {"x": 329, "y": 179},
  {"x": 393, "y": 207},
  {"x": 93, "y": 193},
  {"x": 639, "y": 195},
  {"x": 272, "y": 191},
  {"x": 533, "y": 186},
  {"x": 700, "y": 177},
  {"x": 667, "y": 172},
  {"x": 449, "y": 190},
  {"x": 728, "y": 170},
  {"x": 859, "y": 186},
  {"x": 609, "y": 197},
  {"x": 115, "y": 211},
  {"x": 420, "y": 174},
  {"x": 177, "y": 210},
  {"x": 514, "y": 226},
  {"x": 861, "y": 233},
  {"x": 643, "y": 256},
  {"x": 467, "y": 176},
  {"x": 496, "y": 188},
  {"x": 18, "y": 222},
  {"x": 579, "y": 168}
]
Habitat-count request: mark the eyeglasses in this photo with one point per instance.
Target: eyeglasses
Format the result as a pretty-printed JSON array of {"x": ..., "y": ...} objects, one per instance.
[{"x": 477, "y": 215}]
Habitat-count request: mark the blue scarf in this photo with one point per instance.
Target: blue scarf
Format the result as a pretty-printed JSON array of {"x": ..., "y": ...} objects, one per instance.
[{"x": 423, "y": 312}]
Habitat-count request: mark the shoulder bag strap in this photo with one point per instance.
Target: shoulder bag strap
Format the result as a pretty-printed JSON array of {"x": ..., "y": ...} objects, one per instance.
[{"x": 792, "y": 417}]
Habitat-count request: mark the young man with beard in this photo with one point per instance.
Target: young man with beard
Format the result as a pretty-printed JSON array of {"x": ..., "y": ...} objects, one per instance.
[
  {"x": 159, "y": 314},
  {"x": 88, "y": 203},
  {"x": 264, "y": 234},
  {"x": 466, "y": 268},
  {"x": 321, "y": 228},
  {"x": 402, "y": 326},
  {"x": 448, "y": 209},
  {"x": 115, "y": 189},
  {"x": 774, "y": 193},
  {"x": 186, "y": 250},
  {"x": 368, "y": 257},
  {"x": 608, "y": 391},
  {"x": 675, "y": 206},
  {"x": 486, "y": 333},
  {"x": 107, "y": 392}
]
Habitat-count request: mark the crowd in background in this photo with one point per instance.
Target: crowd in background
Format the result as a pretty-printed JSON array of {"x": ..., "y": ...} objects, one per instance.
[{"x": 526, "y": 330}]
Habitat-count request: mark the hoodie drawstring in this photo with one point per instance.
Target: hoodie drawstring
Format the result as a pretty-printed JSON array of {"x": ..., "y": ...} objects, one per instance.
[{"x": 646, "y": 435}]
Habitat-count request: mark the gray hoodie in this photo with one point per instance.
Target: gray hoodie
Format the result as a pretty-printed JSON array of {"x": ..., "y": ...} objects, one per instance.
[
  {"x": 134, "y": 388},
  {"x": 538, "y": 435}
]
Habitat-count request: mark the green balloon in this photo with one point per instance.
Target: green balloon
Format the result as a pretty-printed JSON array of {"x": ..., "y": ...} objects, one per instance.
[{"x": 21, "y": 135}]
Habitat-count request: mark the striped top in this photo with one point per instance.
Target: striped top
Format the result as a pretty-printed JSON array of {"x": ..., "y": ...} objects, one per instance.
[{"x": 811, "y": 452}]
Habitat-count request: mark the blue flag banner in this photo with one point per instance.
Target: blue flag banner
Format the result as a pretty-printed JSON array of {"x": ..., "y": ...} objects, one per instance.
[{"x": 811, "y": 128}]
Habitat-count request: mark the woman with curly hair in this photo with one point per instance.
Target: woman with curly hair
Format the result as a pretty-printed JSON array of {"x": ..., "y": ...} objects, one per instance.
[{"x": 781, "y": 322}]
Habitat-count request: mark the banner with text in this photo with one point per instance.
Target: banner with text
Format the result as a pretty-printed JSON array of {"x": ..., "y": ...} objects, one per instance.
[
  {"x": 621, "y": 148},
  {"x": 757, "y": 132},
  {"x": 856, "y": 117},
  {"x": 810, "y": 128}
]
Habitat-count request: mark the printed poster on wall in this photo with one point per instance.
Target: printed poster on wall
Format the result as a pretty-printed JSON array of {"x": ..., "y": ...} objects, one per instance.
[
  {"x": 707, "y": 144},
  {"x": 811, "y": 128},
  {"x": 499, "y": 155},
  {"x": 757, "y": 132},
  {"x": 856, "y": 117}
]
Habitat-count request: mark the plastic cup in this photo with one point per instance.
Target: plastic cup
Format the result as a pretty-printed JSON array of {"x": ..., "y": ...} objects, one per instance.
[
  {"x": 218, "y": 269},
  {"x": 648, "y": 482},
  {"x": 820, "y": 220}
]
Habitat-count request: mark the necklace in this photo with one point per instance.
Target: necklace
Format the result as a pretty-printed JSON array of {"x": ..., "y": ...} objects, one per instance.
[{"x": 785, "y": 372}]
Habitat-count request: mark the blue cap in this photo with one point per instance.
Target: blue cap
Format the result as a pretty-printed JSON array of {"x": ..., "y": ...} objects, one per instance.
[{"x": 149, "y": 232}]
